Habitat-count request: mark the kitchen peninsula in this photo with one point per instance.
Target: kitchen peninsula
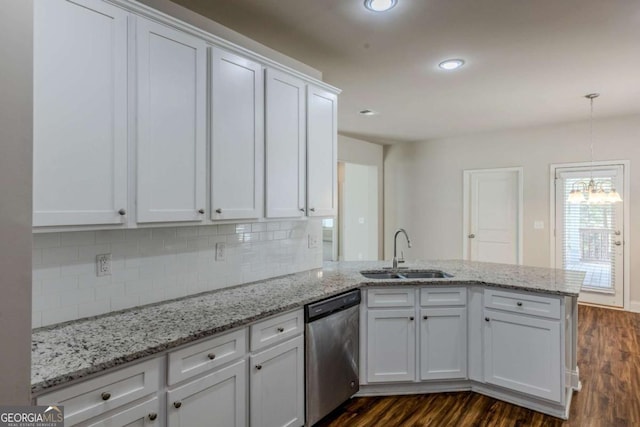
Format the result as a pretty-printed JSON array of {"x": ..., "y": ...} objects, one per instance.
[{"x": 507, "y": 313}]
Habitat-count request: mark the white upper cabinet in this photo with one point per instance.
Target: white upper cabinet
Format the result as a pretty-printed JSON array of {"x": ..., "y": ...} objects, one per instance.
[
  {"x": 80, "y": 113},
  {"x": 171, "y": 151},
  {"x": 285, "y": 145},
  {"x": 322, "y": 148},
  {"x": 237, "y": 137}
]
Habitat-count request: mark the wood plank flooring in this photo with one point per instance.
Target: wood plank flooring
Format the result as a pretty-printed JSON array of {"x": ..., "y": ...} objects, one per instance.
[{"x": 609, "y": 361}]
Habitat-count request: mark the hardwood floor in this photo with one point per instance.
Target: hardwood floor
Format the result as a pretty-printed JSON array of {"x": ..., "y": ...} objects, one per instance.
[{"x": 609, "y": 361}]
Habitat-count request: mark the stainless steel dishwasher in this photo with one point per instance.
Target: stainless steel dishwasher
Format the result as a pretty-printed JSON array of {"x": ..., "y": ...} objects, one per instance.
[{"x": 332, "y": 347}]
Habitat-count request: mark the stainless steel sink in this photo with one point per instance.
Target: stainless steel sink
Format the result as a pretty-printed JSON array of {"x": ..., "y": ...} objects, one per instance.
[{"x": 406, "y": 275}]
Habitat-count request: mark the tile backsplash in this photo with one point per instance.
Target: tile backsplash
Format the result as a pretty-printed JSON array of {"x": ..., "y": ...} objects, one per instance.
[{"x": 155, "y": 264}]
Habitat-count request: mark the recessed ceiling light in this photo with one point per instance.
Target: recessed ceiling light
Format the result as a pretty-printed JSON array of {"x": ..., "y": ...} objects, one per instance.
[
  {"x": 380, "y": 5},
  {"x": 368, "y": 112},
  {"x": 451, "y": 64}
]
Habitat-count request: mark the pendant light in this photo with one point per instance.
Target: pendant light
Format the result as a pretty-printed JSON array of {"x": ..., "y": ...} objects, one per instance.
[{"x": 592, "y": 192}]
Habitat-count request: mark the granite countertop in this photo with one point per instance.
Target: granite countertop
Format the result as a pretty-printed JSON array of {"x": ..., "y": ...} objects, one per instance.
[{"x": 73, "y": 350}]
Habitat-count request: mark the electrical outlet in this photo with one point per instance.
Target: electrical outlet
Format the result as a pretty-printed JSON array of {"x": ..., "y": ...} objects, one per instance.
[
  {"x": 221, "y": 251},
  {"x": 103, "y": 265},
  {"x": 313, "y": 241}
]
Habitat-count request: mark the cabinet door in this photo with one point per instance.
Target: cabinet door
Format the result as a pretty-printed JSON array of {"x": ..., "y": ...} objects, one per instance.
[
  {"x": 80, "y": 113},
  {"x": 391, "y": 345},
  {"x": 322, "y": 152},
  {"x": 277, "y": 385},
  {"x": 145, "y": 414},
  {"x": 285, "y": 145},
  {"x": 171, "y": 124},
  {"x": 237, "y": 137},
  {"x": 523, "y": 353},
  {"x": 443, "y": 343},
  {"x": 219, "y": 398}
]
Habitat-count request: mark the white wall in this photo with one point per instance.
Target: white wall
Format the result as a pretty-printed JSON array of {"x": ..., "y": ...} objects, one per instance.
[
  {"x": 16, "y": 143},
  {"x": 153, "y": 265},
  {"x": 423, "y": 183},
  {"x": 358, "y": 212},
  {"x": 361, "y": 152}
]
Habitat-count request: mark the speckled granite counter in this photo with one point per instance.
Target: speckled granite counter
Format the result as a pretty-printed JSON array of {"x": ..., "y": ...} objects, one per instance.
[{"x": 76, "y": 349}]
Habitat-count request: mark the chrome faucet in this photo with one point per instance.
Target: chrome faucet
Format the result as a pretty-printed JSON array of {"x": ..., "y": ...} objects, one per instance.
[{"x": 395, "y": 246}]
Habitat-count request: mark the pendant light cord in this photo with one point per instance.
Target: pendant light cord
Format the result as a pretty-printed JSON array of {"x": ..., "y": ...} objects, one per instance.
[{"x": 591, "y": 133}]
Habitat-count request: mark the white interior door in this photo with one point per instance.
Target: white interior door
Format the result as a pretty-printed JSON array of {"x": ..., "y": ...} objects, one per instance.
[
  {"x": 589, "y": 237},
  {"x": 492, "y": 231}
]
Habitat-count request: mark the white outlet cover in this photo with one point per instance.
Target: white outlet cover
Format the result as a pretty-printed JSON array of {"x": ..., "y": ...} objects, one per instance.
[
  {"x": 221, "y": 251},
  {"x": 313, "y": 241},
  {"x": 103, "y": 265}
]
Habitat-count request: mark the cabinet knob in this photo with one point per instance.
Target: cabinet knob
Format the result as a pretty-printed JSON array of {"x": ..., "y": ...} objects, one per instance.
[
  {"x": 312, "y": 209},
  {"x": 519, "y": 303},
  {"x": 411, "y": 318},
  {"x": 618, "y": 243},
  {"x": 122, "y": 212},
  {"x": 258, "y": 367},
  {"x": 281, "y": 329},
  {"x": 106, "y": 395},
  {"x": 301, "y": 209},
  {"x": 211, "y": 356},
  {"x": 487, "y": 319},
  {"x": 425, "y": 317},
  {"x": 472, "y": 236},
  {"x": 153, "y": 416},
  {"x": 219, "y": 210},
  {"x": 201, "y": 211},
  {"x": 177, "y": 404}
]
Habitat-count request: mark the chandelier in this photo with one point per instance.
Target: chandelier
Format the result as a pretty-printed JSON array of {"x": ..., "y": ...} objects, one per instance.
[{"x": 592, "y": 192}]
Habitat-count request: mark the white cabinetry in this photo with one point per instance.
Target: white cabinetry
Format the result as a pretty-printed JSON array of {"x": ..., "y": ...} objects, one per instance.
[
  {"x": 285, "y": 145},
  {"x": 322, "y": 152},
  {"x": 276, "y": 373},
  {"x": 443, "y": 333},
  {"x": 391, "y": 345},
  {"x": 237, "y": 137},
  {"x": 523, "y": 352},
  {"x": 171, "y": 152},
  {"x": 144, "y": 414},
  {"x": 80, "y": 113},
  {"x": 218, "y": 398}
]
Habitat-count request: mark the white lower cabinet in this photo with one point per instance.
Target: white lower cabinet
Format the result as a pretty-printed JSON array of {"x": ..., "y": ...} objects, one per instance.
[
  {"x": 218, "y": 398},
  {"x": 523, "y": 353},
  {"x": 276, "y": 381},
  {"x": 391, "y": 345},
  {"x": 443, "y": 343},
  {"x": 144, "y": 414}
]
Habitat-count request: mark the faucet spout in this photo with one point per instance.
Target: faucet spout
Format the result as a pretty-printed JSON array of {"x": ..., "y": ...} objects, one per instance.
[{"x": 395, "y": 246}]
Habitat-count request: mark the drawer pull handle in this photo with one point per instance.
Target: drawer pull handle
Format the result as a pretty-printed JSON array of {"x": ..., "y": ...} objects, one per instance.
[
  {"x": 258, "y": 367},
  {"x": 411, "y": 318},
  {"x": 487, "y": 319},
  {"x": 425, "y": 317},
  {"x": 153, "y": 416},
  {"x": 177, "y": 404},
  {"x": 106, "y": 396},
  {"x": 519, "y": 304},
  {"x": 211, "y": 356},
  {"x": 280, "y": 329}
]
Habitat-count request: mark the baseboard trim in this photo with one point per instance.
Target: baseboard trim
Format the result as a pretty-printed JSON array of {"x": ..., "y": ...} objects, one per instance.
[{"x": 634, "y": 306}]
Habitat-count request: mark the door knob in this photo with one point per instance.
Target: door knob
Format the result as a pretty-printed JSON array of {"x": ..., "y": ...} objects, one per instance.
[
  {"x": 618, "y": 243},
  {"x": 617, "y": 232},
  {"x": 472, "y": 236}
]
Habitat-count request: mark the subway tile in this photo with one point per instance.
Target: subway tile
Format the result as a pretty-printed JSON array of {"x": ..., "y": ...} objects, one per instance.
[
  {"x": 186, "y": 231},
  {"x": 138, "y": 234},
  {"x": 45, "y": 273},
  {"x": 78, "y": 238},
  {"x": 42, "y": 302},
  {"x": 89, "y": 253},
  {"x": 139, "y": 287},
  {"x": 77, "y": 297},
  {"x": 235, "y": 238},
  {"x": 273, "y": 226},
  {"x": 126, "y": 275},
  {"x": 36, "y": 319},
  {"x": 94, "y": 308},
  {"x": 266, "y": 235},
  {"x": 124, "y": 302},
  {"x": 226, "y": 229},
  {"x": 125, "y": 249},
  {"x": 36, "y": 257},
  {"x": 243, "y": 228},
  {"x": 198, "y": 243},
  {"x": 46, "y": 240},
  {"x": 280, "y": 234},
  {"x": 208, "y": 230},
  {"x": 78, "y": 269},
  {"x": 110, "y": 291},
  {"x": 59, "y": 315},
  {"x": 251, "y": 237},
  {"x": 179, "y": 244},
  {"x": 163, "y": 233},
  {"x": 62, "y": 284},
  {"x": 257, "y": 227},
  {"x": 109, "y": 236},
  {"x": 57, "y": 256}
]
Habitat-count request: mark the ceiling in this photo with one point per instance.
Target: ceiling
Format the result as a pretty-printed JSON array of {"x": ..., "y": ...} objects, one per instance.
[{"x": 528, "y": 62}]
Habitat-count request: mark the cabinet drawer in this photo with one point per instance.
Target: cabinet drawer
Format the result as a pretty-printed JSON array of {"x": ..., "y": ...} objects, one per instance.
[
  {"x": 276, "y": 329},
  {"x": 206, "y": 355},
  {"x": 391, "y": 297},
  {"x": 96, "y": 396},
  {"x": 146, "y": 413},
  {"x": 438, "y": 296},
  {"x": 522, "y": 303}
]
